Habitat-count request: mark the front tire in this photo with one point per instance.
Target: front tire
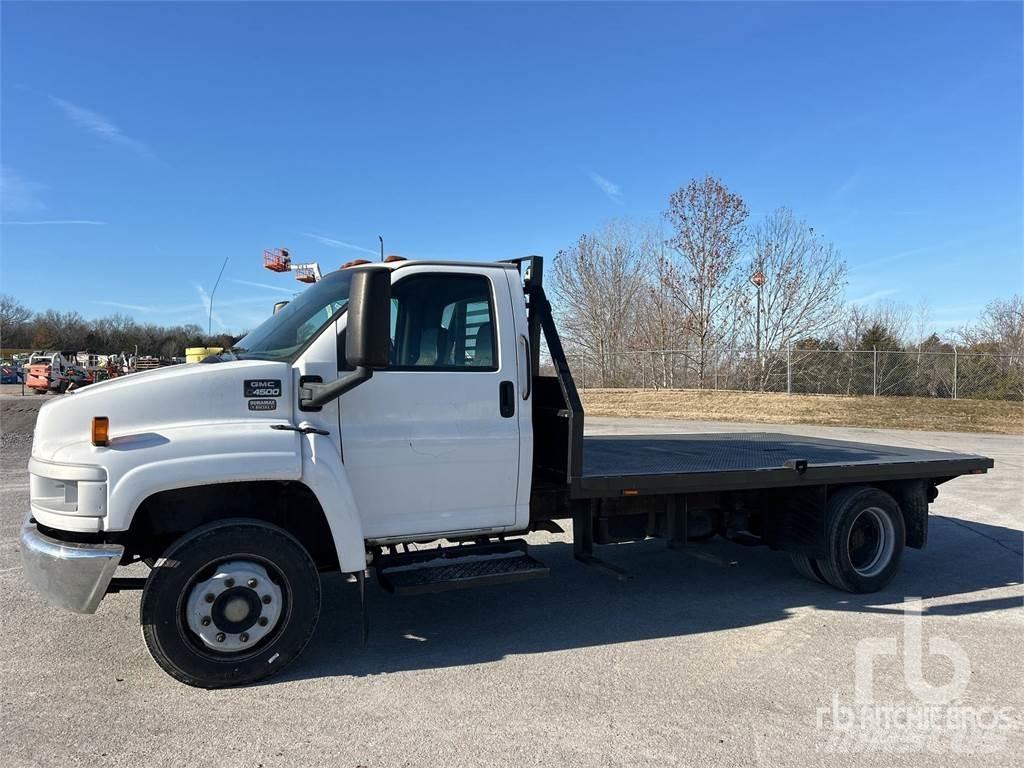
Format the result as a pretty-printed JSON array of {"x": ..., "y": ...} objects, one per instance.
[
  {"x": 865, "y": 537},
  {"x": 230, "y": 603}
]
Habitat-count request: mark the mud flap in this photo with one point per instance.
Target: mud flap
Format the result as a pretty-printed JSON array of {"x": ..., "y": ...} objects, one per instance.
[
  {"x": 913, "y": 496},
  {"x": 364, "y": 617}
]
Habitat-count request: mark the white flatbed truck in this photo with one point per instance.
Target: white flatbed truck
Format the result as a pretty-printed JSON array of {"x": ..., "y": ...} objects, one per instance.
[{"x": 392, "y": 407}]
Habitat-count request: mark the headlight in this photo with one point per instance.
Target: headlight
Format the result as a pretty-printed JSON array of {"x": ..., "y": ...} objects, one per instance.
[{"x": 68, "y": 489}]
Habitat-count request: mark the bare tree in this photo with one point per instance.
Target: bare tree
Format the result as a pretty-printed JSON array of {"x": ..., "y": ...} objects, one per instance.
[
  {"x": 12, "y": 311},
  {"x": 922, "y": 322},
  {"x": 999, "y": 336},
  {"x": 1000, "y": 328},
  {"x": 883, "y": 325},
  {"x": 708, "y": 222},
  {"x": 803, "y": 278},
  {"x": 599, "y": 284},
  {"x": 853, "y": 322},
  {"x": 659, "y": 323},
  {"x": 896, "y": 320},
  {"x": 14, "y": 318}
]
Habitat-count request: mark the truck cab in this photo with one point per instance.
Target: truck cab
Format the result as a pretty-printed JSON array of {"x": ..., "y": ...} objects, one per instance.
[
  {"x": 388, "y": 407},
  {"x": 418, "y": 430}
]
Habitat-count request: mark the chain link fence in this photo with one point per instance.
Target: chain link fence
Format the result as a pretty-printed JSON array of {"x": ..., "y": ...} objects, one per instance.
[{"x": 822, "y": 372}]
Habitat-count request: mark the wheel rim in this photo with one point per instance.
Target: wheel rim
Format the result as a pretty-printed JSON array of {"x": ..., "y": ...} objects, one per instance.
[
  {"x": 236, "y": 609},
  {"x": 871, "y": 541}
]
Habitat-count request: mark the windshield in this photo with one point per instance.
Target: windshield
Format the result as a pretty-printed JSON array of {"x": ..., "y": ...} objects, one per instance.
[{"x": 280, "y": 336}]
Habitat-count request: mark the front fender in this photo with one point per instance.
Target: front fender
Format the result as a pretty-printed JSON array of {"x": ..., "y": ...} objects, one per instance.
[
  {"x": 324, "y": 473},
  {"x": 141, "y": 465}
]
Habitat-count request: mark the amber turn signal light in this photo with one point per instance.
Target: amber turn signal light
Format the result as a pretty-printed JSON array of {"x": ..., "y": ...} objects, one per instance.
[{"x": 100, "y": 430}]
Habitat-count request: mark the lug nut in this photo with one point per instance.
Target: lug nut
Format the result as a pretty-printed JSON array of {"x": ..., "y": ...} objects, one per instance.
[
  {"x": 229, "y": 582},
  {"x": 252, "y": 583},
  {"x": 266, "y": 599},
  {"x": 209, "y": 597},
  {"x": 244, "y": 637},
  {"x": 263, "y": 621},
  {"x": 205, "y": 621},
  {"x": 220, "y": 637}
]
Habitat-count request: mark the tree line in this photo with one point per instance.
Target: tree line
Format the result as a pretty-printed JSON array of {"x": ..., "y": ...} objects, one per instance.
[
  {"x": 690, "y": 283},
  {"x": 22, "y": 328},
  {"x": 708, "y": 279}
]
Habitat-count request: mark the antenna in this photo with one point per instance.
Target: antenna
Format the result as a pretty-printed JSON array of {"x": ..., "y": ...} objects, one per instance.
[
  {"x": 381, "y": 238},
  {"x": 209, "y": 322}
]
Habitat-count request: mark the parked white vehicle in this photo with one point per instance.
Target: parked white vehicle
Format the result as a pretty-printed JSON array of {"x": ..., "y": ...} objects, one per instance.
[{"x": 398, "y": 403}]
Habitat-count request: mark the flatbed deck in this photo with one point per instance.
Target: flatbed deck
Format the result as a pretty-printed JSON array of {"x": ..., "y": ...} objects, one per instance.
[{"x": 612, "y": 465}]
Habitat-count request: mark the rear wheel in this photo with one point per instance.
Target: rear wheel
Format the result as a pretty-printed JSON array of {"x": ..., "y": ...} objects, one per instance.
[
  {"x": 865, "y": 536},
  {"x": 230, "y": 603},
  {"x": 807, "y": 567}
]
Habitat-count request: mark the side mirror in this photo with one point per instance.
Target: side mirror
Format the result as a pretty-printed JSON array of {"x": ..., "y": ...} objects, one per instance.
[
  {"x": 367, "y": 338},
  {"x": 368, "y": 333}
]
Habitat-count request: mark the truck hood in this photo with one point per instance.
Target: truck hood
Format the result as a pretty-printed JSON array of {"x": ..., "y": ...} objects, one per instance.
[{"x": 153, "y": 401}]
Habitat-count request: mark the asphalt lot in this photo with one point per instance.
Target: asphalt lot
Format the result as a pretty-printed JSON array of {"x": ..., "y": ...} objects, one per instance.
[{"x": 689, "y": 663}]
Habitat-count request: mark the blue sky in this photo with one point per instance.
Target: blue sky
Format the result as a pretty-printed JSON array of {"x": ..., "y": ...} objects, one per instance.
[{"x": 143, "y": 143}]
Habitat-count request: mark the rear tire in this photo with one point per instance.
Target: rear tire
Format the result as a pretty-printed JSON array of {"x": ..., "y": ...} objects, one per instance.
[
  {"x": 206, "y": 630},
  {"x": 807, "y": 567},
  {"x": 865, "y": 537}
]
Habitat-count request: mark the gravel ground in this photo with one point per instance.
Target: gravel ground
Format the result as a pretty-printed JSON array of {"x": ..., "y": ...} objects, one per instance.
[
  {"x": 689, "y": 663},
  {"x": 18, "y": 417}
]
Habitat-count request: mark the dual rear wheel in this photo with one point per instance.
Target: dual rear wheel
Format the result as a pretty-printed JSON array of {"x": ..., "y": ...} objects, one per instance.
[{"x": 864, "y": 539}]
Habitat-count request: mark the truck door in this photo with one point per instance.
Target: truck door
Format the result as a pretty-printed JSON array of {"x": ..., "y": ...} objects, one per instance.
[{"x": 431, "y": 444}]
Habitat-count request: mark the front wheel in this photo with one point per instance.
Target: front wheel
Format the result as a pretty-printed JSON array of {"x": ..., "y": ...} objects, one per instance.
[{"x": 230, "y": 603}]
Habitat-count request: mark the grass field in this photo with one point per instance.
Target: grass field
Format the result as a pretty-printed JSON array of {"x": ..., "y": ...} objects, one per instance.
[{"x": 882, "y": 412}]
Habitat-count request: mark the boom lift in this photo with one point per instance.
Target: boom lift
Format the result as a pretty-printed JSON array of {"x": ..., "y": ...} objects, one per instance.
[{"x": 280, "y": 260}]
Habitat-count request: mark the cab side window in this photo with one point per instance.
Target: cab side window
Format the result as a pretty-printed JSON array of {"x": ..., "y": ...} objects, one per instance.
[{"x": 443, "y": 322}]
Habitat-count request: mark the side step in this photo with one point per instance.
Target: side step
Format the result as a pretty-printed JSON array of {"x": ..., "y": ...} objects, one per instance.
[{"x": 474, "y": 565}]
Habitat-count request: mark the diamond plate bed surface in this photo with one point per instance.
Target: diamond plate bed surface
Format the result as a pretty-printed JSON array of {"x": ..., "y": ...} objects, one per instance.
[{"x": 623, "y": 455}]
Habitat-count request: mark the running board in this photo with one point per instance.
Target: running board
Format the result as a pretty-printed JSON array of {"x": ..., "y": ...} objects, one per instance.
[{"x": 474, "y": 565}]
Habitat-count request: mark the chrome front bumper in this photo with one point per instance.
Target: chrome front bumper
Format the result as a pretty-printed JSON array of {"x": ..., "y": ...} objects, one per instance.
[{"x": 72, "y": 576}]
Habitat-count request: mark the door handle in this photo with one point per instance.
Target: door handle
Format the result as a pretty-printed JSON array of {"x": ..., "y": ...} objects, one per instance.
[
  {"x": 529, "y": 374},
  {"x": 507, "y": 399},
  {"x": 301, "y": 430}
]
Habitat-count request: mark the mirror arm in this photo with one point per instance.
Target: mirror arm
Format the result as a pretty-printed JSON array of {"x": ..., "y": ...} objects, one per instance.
[{"x": 314, "y": 395}]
